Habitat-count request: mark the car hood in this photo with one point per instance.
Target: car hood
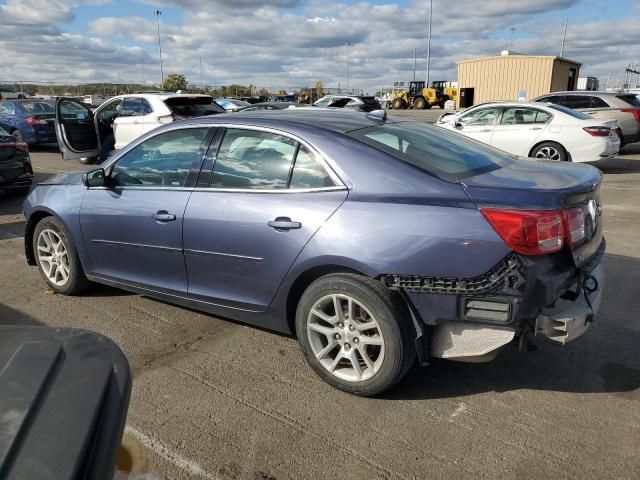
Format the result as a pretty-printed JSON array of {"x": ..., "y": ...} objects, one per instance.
[
  {"x": 542, "y": 184},
  {"x": 71, "y": 178}
]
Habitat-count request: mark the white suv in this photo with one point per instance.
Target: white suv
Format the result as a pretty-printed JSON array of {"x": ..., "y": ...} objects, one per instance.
[{"x": 120, "y": 120}]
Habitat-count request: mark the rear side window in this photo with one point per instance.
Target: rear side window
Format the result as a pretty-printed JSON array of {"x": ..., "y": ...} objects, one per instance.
[
  {"x": 7, "y": 108},
  {"x": 445, "y": 154},
  {"x": 557, "y": 99},
  {"x": 523, "y": 116},
  {"x": 630, "y": 99},
  {"x": 37, "y": 107},
  {"x": 597, "y": 102},
  {"x": 577, "y": 101},
  {"x": 250, "y": 159},
  {"x": 308, "y": 173},
  {"x": 573, "y": 113},
  {"x": 131, "y": 107}
]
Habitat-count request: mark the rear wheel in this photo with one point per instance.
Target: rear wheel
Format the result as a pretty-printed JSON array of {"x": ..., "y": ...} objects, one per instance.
[
  {"x": 57, "y": 258},
  {"x": 354, "y": 333},
  {"x": 17, "y": 134},
  {"x": 550, "y": 151},
  {"x": 398, "y": 104},
  {"x": 419, "y": 103}
]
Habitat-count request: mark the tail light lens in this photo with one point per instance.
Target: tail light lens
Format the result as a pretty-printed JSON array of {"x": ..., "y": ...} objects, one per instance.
[
  {"x": 35, "y": 121},
  {"x": 537, "y": 232},
  {"x": 598, "y": 131},
  {"x": 22, "y": 147},
  {"x": 635, "y": 111}
]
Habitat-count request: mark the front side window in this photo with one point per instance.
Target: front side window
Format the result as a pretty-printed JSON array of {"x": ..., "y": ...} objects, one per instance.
[
  {"x": 479, "y": 117},
  {"x": 109, "y": 111},
  {"x": 448, "y": 155},
  {"x": 250, "y": 159},
  {"x": 323, "y": 102},
  {"x": 160, "y": 161},
  {"x": 523, "y": 116}
]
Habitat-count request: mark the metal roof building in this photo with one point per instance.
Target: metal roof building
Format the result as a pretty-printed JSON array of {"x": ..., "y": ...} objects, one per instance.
[{"x": 512, "y": 76}]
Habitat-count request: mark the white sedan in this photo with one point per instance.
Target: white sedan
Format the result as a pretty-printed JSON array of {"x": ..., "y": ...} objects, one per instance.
[{"x": 537, "y": 130}]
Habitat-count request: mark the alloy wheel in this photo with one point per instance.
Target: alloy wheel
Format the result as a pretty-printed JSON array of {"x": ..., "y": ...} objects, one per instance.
[
  {"x": 345, "y": 338},
  {"x": 550, "y": 153},
  {"x": 53, "y": 257}
]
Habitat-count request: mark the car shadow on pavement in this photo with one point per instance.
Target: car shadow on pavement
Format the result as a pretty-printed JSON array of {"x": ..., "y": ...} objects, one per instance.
[
  {"x": 618, "y": 165},
  {"x": 604, "y": 360},
  {"x": 10, "y": 316}
]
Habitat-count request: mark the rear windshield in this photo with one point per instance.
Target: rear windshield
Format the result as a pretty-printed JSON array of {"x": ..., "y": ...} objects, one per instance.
[
  {"x": 370, "y": 100},
  {"x": 193, "y": 106},
  {"x": 568, "y": 111},
  {"x": 630, "y": 99},
  {"x": 37, "y": 107},
  {"x": 448, "y": 155}
]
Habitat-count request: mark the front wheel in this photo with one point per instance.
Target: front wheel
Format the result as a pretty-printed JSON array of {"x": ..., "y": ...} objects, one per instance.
[
  {"x": 57, "y": 258},
  {"x": 398, "y": 104},
  {"x": 550, "y": 151},
  {"x": 419, "y": 103},
  {"x": 354, "y": 333}
]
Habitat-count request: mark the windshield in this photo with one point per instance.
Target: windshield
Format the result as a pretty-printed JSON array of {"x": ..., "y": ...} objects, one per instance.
[
  {"x": 445, "y": 154},
  {"x": 37, "y": 107},
  {"x": 568, "y": 111},
  {"x": 3, "y": 133},
  {"x": 630, "y": 99}
]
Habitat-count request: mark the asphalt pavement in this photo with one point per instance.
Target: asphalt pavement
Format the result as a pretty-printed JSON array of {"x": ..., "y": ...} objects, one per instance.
[{"x": 217, "y": 399}]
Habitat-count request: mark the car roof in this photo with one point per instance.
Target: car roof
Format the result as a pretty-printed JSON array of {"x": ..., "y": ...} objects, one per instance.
[
  {"x": 334, "y": 119},
  {"x": 587, "y": 92},
  {"x": 162, "y": 96}
]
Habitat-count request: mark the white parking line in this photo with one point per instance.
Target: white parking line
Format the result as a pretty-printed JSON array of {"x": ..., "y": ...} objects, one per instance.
[{"x": 165, "y": 452}]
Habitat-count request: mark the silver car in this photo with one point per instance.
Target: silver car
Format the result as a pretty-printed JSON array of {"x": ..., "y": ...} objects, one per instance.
[{"x": 623, "y": 107}]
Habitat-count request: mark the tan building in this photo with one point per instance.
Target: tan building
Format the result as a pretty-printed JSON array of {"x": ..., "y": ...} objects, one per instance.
[{"x": 511, "y": 76}]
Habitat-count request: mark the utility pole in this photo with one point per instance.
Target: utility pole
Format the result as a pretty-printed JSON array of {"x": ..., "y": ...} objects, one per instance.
[
  {"x": 346, "y": 44},
  {"x": 414, "y": 64},
  {"x": 564, "y": 37},
  {"x": 429, "y": 42},
  {"x": 144, "y": 80},
  {"x": 200, "y": 73},
  {"x": 513, "y": 30},
  {"x": 158, "y": 13}
]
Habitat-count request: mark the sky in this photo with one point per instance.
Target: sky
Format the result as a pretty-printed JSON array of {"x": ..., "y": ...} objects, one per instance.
[{"x": 284, "y": 44}]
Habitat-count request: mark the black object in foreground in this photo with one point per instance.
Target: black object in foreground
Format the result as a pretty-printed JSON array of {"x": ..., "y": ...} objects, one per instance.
[{"x": 64, "y": 395}]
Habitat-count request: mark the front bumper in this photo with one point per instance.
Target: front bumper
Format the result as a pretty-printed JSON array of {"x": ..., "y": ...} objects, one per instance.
[{"x": 568, "y": 320}]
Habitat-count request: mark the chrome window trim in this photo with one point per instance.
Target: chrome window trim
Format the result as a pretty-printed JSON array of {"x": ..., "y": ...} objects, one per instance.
[
  {"x": 317, "y": 154},
  {"x": 336, "y": 188}
]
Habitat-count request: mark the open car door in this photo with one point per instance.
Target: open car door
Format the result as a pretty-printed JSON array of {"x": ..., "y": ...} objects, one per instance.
[{"x": 76, "y": 131}]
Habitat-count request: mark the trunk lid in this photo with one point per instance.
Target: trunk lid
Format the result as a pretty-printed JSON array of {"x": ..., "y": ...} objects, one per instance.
[{"x": 544, "y": 185}]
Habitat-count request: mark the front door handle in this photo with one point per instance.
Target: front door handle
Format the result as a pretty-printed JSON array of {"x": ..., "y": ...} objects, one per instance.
[
  {"x": 485, "y": 130},
  {"x": 164, "y": 216},
  {"x": 535, "y": 128},
  {"x": 284, "y": 223}
]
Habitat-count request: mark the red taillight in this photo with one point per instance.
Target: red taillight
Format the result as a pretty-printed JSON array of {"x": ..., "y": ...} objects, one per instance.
[
  {"x": 537, "y": 232},
  {"x": 530, "y": 232},
  {"x": 574, "y": 225},
  {"x": 22, "y": 147},
  {"x": 598, "y": 131},
  {"x": 635, "y": 111},
  {"x": 35, "y": 121}
]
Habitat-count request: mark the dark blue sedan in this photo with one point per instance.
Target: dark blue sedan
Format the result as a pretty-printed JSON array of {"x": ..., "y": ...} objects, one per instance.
[
  {"x": 31, "y": 121},
  {"x": 374, "y": 240}
]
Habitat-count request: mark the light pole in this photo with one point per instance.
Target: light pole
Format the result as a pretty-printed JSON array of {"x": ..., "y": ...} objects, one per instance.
[
  {"x": 158, "y": 13},
  {"x": 513, "y": 30},
  {"x": 429, "y": 41},
  {"x": 346, "y": 44}
]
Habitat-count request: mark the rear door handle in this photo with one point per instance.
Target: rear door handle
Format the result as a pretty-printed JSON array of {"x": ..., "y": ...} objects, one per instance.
[
  {"x": 164, "y": 216},
  {"x": 485, "y": 130},
  {"x": 284, "y": 223},
  {"x": 535, "y": 128}
]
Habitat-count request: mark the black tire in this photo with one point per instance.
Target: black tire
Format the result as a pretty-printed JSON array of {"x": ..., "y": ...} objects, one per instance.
[
  {"x": 393, "y": 323},
  {"x": 76, "y": 281},
  {"x": 550, "y": 151},
  {"x": 397, "y": 103},
  {"x": 419, "y": 103},
  {"x": 17, "y": 134}
]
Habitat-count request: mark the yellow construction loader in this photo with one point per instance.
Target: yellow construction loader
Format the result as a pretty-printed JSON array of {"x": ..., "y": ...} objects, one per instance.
[{"x": 418, "y": 96}]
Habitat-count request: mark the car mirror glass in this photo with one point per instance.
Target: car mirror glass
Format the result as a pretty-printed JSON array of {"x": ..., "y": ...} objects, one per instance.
[{"x": 95, "y": 178}]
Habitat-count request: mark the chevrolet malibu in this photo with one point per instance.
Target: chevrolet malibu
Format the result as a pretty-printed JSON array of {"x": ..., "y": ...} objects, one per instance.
[{"x": 375, "y": 241}]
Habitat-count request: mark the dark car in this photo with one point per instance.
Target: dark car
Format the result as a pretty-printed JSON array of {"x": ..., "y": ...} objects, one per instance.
[
  {"x": 268, "y": 106},
  {"x": 353, "y": 102},
  {"x": 372, "y": 239},
  {"x": 31, "y": 121},
  {"x": 16, "y": 173}
]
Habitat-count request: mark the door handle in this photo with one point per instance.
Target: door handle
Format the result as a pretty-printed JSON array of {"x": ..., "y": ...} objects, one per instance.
[
  {"x": 535, "y": 128},
  {"x": 485, "y": 130},
  {"x": 164, "y": 216},
  {"x": 284, "y": 223}
]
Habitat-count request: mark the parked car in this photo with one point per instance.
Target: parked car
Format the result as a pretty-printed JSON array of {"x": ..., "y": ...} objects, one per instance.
[
  {"x": 16, "y": 173},
  {"x": 537, "y": 130},
  {"x": 354, "y": 102},
  {"x": 277, "y": 105},
  {"x": 232, "y": 104},
  {"x": 286, "y": 98},
  {"x": 122, "y": 119},
  {"x": 373, "y": 240},
  {"x": 30, "y": 121},
  {"x": 623, "y": 107}
]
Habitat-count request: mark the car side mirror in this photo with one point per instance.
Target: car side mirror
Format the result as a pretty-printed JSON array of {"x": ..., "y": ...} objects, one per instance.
[
  {"x": 95, "y": 178},
  {"x": 457, "y": 124}
]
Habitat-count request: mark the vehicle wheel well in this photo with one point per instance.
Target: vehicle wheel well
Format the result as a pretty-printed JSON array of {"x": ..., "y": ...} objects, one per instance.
[
  {"x": 302, "y": 282},
  {"x": 547, "y": 141},
  {"x": 34, "y": 219}
]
